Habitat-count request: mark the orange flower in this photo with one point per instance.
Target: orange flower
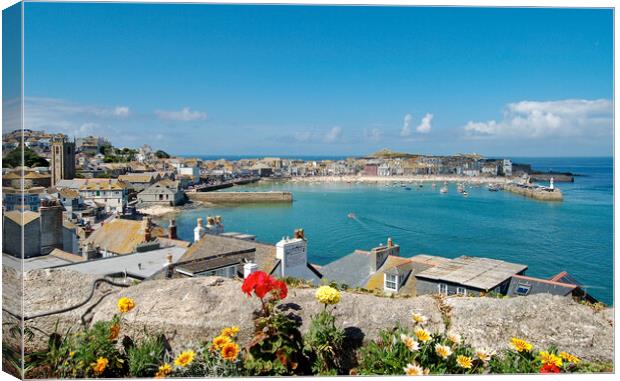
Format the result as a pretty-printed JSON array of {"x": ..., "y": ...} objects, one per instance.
[
  {"x": 219, "y": 342},
  {"x": 114, "y": 330},
  {"x": 164, "y": 370},
  {"x": 100, "y": 365},
  {"x": 230, "y": 351}
]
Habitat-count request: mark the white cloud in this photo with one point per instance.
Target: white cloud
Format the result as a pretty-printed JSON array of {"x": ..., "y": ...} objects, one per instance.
[
  {"x": 121, "y": 111},
  {"x": 373, "y": 135},
  {"x": 58, "y": 115},
  {"x": 425, "y": 124},
  {"x": 406, "y": 130},
  {"x": 185, "y": 115},
  {"x": 333, "y": 135},
  {"x": 563, "y": 118}
]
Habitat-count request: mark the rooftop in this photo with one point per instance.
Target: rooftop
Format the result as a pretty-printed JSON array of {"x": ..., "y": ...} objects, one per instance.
[
  {"x": 353, "y": 270},
  {"x": 479, "y": 273}
]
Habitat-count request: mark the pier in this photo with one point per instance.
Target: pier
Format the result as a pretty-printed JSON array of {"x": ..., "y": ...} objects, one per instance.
[
  {"x": 241, "y": 197},
  {"x": 537, "y": 193}
]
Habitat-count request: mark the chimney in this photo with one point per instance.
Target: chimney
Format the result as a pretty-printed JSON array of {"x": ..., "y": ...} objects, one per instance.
[
  {"x": 249, "y": 268},
  {"x": 148, "y": 228},
  {"x": 168, "y": 266},
  {"x": 172, "y": 229},
  {"x": 199, "y": 230},
  {"x": 293, "y": 255}
]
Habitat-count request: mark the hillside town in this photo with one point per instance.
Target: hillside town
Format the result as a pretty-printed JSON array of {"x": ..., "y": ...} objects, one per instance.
[{"x": 79, "y": 203}]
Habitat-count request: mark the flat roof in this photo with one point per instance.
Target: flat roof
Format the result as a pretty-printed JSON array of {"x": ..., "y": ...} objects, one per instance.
[
  {"x": 475, "y": 272},
  {"x": 150, "y": 263}
]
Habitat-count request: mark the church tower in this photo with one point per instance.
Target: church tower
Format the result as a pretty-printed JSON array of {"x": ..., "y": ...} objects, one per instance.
[{"x": 63, "y": 159}]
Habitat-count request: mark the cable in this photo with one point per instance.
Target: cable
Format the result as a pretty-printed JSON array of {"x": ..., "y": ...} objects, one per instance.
[{"x": 67, "y": 309}]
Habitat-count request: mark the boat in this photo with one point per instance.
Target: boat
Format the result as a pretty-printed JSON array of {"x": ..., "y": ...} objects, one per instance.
[
  {"x": 434, "y": 185},
  {"x": 493, "y": 187},
  {"x": 407, "y": 188},
  {"x": 465, "y": 194},
  {"x": 351, "y": 215},
  {"x": 443, "y": 189}
]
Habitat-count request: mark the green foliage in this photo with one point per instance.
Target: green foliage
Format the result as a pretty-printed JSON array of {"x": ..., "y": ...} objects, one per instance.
[
  {"x": 161, "y": 154},
  {"x": 277, "y": 345},
  {"x": 324, "y": 343},
  {"x": 389, "y": 355},
  {"x": 514, "y": 362},
  {"x": 145, "y": 357},
  {"x": 31, "y": 159},
  {"x": 82, "y": 350}
]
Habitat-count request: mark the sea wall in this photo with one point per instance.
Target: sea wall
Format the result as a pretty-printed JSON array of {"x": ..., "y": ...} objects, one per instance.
[
  {"x": 535, "y": 193},
  {"x": 241, "y": 197},
  {"x": 196, "y": 309}
]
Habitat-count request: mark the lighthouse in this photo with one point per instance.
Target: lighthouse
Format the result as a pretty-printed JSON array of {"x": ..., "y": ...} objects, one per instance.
[{"x": 551, "y": 183}]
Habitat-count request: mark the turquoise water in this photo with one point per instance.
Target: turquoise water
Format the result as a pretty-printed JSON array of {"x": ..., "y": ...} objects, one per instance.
[{"x": 575, "y": 235}]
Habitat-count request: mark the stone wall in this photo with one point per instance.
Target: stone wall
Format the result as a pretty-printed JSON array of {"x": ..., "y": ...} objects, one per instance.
[
  {"x": 195, "y": 309},
  {"x": 240, "y": 197}
]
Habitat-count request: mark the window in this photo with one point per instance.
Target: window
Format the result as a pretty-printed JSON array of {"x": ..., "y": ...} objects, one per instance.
[
  {"x": 391, "y": 282},
  {"x": 443, "y": 288},
  {"x": 523, "y": 289},
  {"x": 461, "y": 291},
  {"x": 98, "y": 193}
]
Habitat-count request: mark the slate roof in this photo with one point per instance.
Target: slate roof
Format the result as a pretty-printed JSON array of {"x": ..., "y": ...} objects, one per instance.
[
  {"x": 212, "y": 245},
  {"x": 353, "y": 270},
  {"x": 480, "y": 273}
]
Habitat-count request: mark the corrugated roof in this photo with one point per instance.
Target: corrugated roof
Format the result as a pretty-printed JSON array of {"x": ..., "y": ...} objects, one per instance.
[{"x": 479, "y": 273}]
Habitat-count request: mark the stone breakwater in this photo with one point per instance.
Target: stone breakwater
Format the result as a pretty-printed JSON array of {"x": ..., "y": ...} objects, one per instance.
[
  {"x": 241, "y": 197},
  {"x": 535, "y": 193},
  {"x": 192, "y": 310},
  {"x": 407, "y": 179}
]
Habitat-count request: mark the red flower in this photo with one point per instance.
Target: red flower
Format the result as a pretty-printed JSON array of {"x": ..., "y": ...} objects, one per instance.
[
  {"x": 281, "y": 287},
  {"x": 549, "y": 368},
  {"x": 261, "y": 284}
]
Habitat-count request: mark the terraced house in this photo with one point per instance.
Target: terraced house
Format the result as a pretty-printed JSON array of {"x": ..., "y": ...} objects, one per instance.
[{"x": 112, "y": 195}]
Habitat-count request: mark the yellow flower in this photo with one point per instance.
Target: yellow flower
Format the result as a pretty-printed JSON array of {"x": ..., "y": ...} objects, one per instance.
[
  {"x": 125, "y": 304},
  {"x": 327, "y": 295},
  {"x": 422, "y": 335},
  {"x": 230, "y": 331},
  {"x": 418, "y": 318},
  {"x": 483, "y": 355},
  {"x": 219, "y": 342},
  {"x": 521, "y": 345},
  {"x": 443, "y": 351},
  {"x": 164, "y": 370},
  {"x": 71, "y": 354},
  {"x": 414, "y": 370},
  {"x": 547, "y": 358},
  {"x": 464, "y": 361},
  {"x": 114, "y": 330},
  {"x": 100, "y": 365},
  {"x": 570, "y": 358},
  {"x": 184, "y": 359},
  {"x": 410, "y": 343},
  {"x": 230, "y": 351}
]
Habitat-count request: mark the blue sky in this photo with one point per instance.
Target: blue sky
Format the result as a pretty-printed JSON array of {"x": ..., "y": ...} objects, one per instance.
[{"x": 310, "y": 80}]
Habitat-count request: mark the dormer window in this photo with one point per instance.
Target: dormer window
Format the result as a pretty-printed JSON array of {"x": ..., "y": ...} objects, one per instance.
[{"x": 391, "y": 282}]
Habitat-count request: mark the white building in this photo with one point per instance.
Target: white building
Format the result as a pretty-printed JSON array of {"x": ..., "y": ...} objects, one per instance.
[
  {"x": 507, "y": 167},
  {"x": 113, "y": 195}
]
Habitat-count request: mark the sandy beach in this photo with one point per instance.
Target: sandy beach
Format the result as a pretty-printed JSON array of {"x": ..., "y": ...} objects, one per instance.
[{"x": 406, "y": 179}]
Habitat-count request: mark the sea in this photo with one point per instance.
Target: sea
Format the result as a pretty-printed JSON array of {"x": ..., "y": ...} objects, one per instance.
[{"x": 575, "y": 235}]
